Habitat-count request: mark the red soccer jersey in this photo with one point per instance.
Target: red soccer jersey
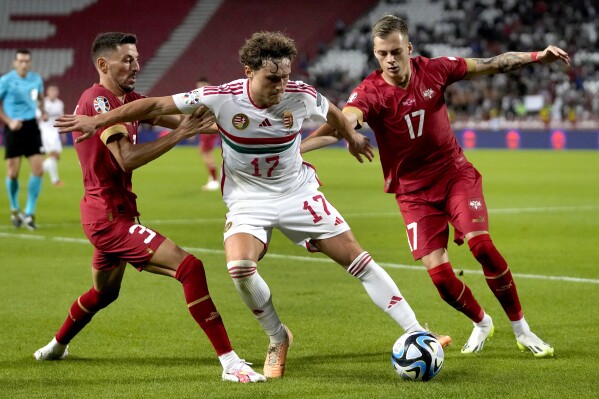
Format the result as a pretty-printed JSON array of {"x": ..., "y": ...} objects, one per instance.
[
  {"x": 108, "y": 192},
  {"x": 411, "y": 125}
]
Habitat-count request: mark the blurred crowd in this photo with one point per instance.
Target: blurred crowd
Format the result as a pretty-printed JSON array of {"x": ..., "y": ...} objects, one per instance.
[{"x": 552, "y": 95}]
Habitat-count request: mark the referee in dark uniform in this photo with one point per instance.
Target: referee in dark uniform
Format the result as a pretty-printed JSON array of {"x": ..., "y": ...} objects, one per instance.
[{"x": 21, "y": 92}]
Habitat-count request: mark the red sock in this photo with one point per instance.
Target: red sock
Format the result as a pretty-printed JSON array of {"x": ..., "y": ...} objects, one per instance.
[
  {"x": 498, "y": 275},
  {"x": 455, "y": 292},
  {"x": 191, "y": 275},
  {"x": 82, "y": 311},
  {"x": 212, "y": 171}
]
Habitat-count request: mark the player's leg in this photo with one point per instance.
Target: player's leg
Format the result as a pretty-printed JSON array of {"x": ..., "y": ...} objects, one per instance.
[
  {"x": 105, "y": 290},
  {"x": 171, "y": 260},
  {"x": 34, "y": 187},
  {"x": 206, "y": 146},
  {"x": 345, "y": 250},
  {"x": 242, "y": 251},
  {"x": 500, "y": 281},
  {"x": 13, "y": 165},
  {"x": 50, "y": 166},
  {"x": 32, "y": 149},
  {"x": 467, "y": 206}
]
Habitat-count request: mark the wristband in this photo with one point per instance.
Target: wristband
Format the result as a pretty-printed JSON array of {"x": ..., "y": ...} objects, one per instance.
[{"x": 534, "y": 56}]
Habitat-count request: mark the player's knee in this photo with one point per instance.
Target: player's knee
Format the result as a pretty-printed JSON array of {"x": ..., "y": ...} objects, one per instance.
[
  {"x": 94, "y": 300},
  {"x": 107, "y": 297},
  {"x": 191, "y": 268},
  {"x": 486, "y": 253},
  {"x": 444, "y": 280},
  {"x": 241, "y": 269}
]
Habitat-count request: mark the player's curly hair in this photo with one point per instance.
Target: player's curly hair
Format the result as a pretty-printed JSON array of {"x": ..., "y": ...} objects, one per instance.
[
  {"x": 109, "y": 41},
  {"x": 388, "y": 24},
  {"x": 264, "y": 46}
]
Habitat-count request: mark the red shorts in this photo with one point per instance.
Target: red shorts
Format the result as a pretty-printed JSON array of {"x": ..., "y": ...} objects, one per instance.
[
  {"x": 208, "y": 141},
  {"x": 457, "y": 200},
  {"x": 122, "y": 240}
]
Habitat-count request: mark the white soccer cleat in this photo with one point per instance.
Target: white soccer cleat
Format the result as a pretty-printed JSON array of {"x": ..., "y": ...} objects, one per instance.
[
  {"x": 212, "y": 185},
  {"x": 241, "y": 372},
  {"x": 477, "y": 339},
  {"x": 52, "y": 351},
  {"x": 536, "y": 345}
]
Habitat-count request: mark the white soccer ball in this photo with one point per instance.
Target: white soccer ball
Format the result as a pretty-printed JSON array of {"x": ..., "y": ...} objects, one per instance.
[{"x": 417, "y": 356}]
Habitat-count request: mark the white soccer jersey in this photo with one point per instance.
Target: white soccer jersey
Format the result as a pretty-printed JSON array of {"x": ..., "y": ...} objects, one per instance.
[{"x": 261, "y": 146}]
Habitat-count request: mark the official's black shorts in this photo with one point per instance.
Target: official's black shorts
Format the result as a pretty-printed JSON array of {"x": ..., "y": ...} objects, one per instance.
[{"x": 25, "y": 142}]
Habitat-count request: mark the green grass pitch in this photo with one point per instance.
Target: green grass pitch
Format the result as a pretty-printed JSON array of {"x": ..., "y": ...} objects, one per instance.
[{"x": 544, "y": 213}]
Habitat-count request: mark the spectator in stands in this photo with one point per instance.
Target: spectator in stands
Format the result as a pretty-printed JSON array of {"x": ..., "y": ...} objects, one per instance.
[
  {"x": 427, "y": 171},
  {"x": 497, "y": 28},
  {"x": 21, "y": 93}
]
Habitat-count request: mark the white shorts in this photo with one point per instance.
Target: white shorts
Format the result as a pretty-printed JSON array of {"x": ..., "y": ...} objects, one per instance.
[
  {"x": 50, "y": 138},
  {"x": 302, "y": 216}
]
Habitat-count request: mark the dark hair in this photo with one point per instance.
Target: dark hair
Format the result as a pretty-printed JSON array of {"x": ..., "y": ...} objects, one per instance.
[
  {"x": 262, "y": 47},
  {"x": 109, "y": 41},
  {"x": 388, "y": 24},
  {"x": 23, "y": 51}
]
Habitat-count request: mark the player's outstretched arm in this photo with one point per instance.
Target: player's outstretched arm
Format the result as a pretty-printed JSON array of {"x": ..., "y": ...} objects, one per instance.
[
  {"x": 142, "y": 109},
  {"x": 324, "y": 136},
  {"x": 358, "y": 144},
  {"x": 513, "y": 60},
  {"x": 131, "y": 157}
]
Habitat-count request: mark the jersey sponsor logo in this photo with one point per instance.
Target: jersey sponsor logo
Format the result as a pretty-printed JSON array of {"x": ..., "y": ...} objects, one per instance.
[
  {"x": 475, "y": 204},
  {"x": 228, "y": 225},
  {"x": 191, "y": 98},
  {"x": 338, "y": 221},
  {"x": 288, "y": 119},
  {"x": 240, "y": 121},
  {"x": 352, "y": 97},
  {"x": 428, "y": 93},
  {"x": 409, "y": 102},
  {"x": 101, "y": 104},
  {"x": 265, "y": 123}
]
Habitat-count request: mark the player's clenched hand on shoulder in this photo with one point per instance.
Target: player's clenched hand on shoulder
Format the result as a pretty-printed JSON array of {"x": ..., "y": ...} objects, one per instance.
[{"x": 207, "y": 118}]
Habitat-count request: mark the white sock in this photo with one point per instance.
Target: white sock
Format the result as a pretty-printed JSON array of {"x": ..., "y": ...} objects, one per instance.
[
  {"x": 384, "y": 292},
  {"x": 485, "y": 321},
  {"x": 55, "y": 345},
  {"x": 51, "y": 166},
  {"x": 254, "y": 291},
  {"x": 520, "y": 326},
  {"x": 228, "y": 358}
]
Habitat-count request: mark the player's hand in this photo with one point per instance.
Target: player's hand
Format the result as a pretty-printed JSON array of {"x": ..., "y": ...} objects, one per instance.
[
  {"x": 207, "y": 118},
  {"x": 552, "y": 54},
  {"x": 360, "y": 145},
  {"x": 192, "y": 125},
  {"x": 76, "y": 123},
  {"x": 15, "y": 124}
]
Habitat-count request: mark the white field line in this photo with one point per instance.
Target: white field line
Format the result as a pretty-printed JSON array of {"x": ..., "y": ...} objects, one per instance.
[
  {"x": 204, "y": 221},
  {"x": 302, "y": 259}
]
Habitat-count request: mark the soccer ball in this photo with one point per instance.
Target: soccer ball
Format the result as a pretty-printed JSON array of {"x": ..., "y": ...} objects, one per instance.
[{"x": 417, "y": 356}]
